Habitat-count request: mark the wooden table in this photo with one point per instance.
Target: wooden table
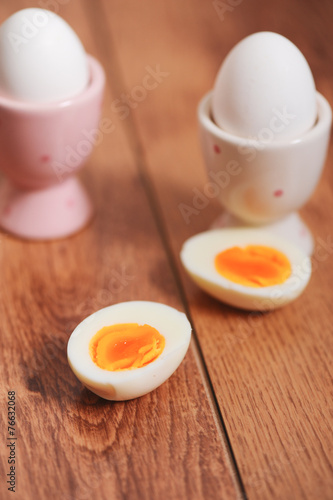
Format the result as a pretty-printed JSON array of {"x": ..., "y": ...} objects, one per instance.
[{"x": 249, "y": 412}]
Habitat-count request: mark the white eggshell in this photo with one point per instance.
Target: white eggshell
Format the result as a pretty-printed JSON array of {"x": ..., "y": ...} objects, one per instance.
[
  {"x": 265, "y": 90},
  {"x": 199, "y": 252},
  {"x": 41, "y": 58},
  {"x": 129, "y": 384}
]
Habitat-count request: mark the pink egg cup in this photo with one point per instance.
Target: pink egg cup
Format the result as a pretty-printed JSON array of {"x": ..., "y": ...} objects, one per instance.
[
  {"x": 264, "y": 184},
  {"x": 42, "y": 146}
]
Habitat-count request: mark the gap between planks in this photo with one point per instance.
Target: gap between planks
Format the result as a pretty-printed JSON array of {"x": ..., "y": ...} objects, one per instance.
[{"x": 97, "y": 15}]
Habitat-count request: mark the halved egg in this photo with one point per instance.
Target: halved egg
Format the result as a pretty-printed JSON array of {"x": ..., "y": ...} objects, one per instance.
[
  {"x": 127, "y": 350},
  {"x": 247, "y": 268}
]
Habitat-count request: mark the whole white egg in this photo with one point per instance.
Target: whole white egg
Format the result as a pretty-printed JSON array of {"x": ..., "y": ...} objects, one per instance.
[
  {"x": 108, "y": 354},
  {"x": 265, "y": 90},
  {"x": 41, "y": 58},
  {"x": 245, "y": 280}
]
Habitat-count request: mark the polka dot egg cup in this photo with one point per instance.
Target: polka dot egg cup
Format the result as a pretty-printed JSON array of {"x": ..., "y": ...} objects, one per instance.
[
  {"x": 42, "y": 146},
  {"x": 261, "y": 182}
]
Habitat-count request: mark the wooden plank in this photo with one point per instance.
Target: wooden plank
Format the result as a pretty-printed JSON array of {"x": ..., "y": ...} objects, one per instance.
[
  {"x": 272, "y": 373},
  {"x": 71, "y": 444}
]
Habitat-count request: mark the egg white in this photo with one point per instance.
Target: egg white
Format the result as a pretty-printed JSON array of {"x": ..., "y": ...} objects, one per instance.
[
  {"x": 129, "y": 384},
  {"x": 199, "y": 252}
]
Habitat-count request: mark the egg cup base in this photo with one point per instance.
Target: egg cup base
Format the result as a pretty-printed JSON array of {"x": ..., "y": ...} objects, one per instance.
[
  {"x": 49, "y": 213},
  {"x": 291, "y": 228}
]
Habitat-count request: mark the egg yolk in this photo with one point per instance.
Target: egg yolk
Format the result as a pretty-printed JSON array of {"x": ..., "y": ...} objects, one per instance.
[
  {"x": 125, "y": 346},
  {"x": 254, "y": 265}
]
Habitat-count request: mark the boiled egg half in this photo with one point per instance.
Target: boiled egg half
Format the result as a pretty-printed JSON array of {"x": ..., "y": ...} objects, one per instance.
[
  {"x": 247, "y": 268},
  {"x": 127, "y": 350}
]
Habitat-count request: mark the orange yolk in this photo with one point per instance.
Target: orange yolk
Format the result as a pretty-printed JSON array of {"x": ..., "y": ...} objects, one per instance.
[
  {"x": 125, "y": 346},
  {"x": 254, "y": 265}
]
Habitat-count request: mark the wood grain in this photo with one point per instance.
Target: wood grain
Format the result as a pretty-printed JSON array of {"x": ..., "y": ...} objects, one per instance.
[
  {"x": 71, "y": 444},
  {"x": 272, "y": 373},
  {"x": 249, "y": 412}
]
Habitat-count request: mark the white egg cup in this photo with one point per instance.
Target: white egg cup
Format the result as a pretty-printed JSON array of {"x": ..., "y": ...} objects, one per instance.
[{"x": 264, "y": 182}]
